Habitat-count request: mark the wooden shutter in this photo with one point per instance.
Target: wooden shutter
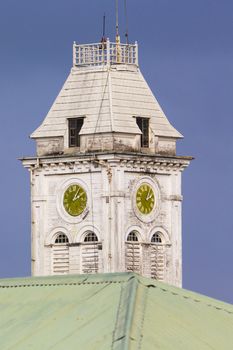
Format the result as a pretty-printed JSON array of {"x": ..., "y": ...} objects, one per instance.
[
  {"x": 60, "y": 259},
  {"x": 157, "y": 255},
  {"x": 90, "y": 258},
  {"x": 146, "y": 260},
  {"x": 133, "y": 257}
]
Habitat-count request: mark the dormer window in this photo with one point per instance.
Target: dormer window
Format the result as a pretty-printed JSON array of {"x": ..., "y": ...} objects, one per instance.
[
  {"x": 75, "y": 125},
  {"x": 143, "y": 124}
]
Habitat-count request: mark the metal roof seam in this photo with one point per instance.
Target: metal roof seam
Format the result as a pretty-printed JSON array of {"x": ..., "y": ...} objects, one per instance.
[
  {"x": 190, "y": 298},
  {"x": 144, "y": 298},
  {"x": 58, "y": 284},
  {"x": 116, "y": 321}
]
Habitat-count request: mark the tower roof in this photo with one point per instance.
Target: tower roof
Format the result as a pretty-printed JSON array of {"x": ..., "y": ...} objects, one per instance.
[
  {"x": 110, "y": 311},
  {"x": 107, "y": 88}
]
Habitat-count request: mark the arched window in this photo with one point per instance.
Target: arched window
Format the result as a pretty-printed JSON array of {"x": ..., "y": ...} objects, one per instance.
[
  {"x": 90, "y": 253},
  {"x": 133, "y": 252},
  {"x": 91, "y": 237},
  {"x": 61, "y": 238},
  {"x": 156, "y": 238},
  {"x": 157, "y": 256},
  {"x": 60, "y": 253},
  {"x": 132, "y": 236}
]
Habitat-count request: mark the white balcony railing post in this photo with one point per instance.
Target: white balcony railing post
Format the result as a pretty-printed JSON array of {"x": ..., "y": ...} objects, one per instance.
[
  {"x": 136, "y": 53},
  {"x": 108, "y": 52},
  {"x": 74, "y": 54}
]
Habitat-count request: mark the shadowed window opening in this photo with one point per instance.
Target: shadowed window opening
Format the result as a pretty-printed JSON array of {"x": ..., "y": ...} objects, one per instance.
[
  {"x": 132, "y": 237},
  {"x": 143, "y": 124},
  {"x": 75, "y": 125},
  {"x": 61, "y": 239},
  {"x": 91, "y": 237},
  {"x": 156, "y": 238}
]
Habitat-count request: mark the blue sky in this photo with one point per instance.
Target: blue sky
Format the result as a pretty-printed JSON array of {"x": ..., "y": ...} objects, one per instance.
[{"x": 186, "y": 55}]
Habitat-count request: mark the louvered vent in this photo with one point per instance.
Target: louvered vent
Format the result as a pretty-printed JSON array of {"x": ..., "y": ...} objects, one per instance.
[
  {"x": 61, "y": 255},
  {"x": 133, "y": 253},
  {"x": 157, "y": 262},
  {"x": 132, "y": 257},
  {"x": 157, "y": 255},
  {"x": 90, "y": 253}
]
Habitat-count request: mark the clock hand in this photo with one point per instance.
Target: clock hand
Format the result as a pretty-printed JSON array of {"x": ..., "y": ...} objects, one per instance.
[
  {"x": 76, "y": 195},
  {"x": 148, "y": 196}
]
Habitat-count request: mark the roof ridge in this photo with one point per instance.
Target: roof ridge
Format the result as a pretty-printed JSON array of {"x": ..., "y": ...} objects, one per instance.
[{"x": 124, "y": 331}]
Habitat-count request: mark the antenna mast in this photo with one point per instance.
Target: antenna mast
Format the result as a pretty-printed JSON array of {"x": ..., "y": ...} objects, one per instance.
[
  {"x": 117, "y": 22},
  {"x": 126, "y": 22},
  {"x": 104, "y": 21},
  {"x": 118, "y": 40},
  {"x": 103, "y": 40}
]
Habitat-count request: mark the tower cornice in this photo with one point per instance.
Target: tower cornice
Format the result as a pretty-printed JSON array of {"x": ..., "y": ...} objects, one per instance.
[{"x": 144, "y": 163}]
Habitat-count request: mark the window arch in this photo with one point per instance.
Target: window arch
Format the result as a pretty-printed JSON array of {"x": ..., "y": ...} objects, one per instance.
[
  {"x": 156, "y": 238},
  {"x": 132, "y": 236},
  {"x": 90, "y": 237},
  {"x": 61, "y": 238}
]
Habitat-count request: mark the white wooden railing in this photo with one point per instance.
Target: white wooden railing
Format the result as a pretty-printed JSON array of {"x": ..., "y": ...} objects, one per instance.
[{"x": 104, "y": 53}]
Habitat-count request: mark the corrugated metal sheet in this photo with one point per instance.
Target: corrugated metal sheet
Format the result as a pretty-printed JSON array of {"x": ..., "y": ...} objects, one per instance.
[{"x": 109, "y": 311}]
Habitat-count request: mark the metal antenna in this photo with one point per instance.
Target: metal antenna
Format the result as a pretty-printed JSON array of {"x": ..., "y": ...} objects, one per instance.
[
  {"x": 117, "y": 19},
  {"x": 118, "y": 40},
  {"x": 103, "y": 40},
  {"x": 104, "y": 21},
  {"x": 126, "y": 23}
]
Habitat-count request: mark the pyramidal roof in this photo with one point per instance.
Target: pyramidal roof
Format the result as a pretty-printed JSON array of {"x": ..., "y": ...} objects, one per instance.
[
  {"x": 107, "y": 88},
  {"x": 109, "y": 311}
]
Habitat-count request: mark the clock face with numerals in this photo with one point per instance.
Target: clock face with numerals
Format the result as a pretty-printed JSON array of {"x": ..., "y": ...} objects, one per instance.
[
  {"x": 75, "y": 200},
  {"x": 145, "y": 199}
]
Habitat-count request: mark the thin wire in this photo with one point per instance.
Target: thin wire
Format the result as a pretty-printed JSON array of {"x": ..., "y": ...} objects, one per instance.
[
  {"x": 117, "y": 20},
  {"x": 92, "y": 158},
  {"x": 104, "y": 18},
  {"x": 95, "y": 244},
  {"x": 126, "y": 24},
  {"x": 99, "y": 111}
]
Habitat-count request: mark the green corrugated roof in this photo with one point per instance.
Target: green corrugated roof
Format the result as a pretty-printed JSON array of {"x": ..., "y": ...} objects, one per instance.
[{"x": 109, "y": 311}]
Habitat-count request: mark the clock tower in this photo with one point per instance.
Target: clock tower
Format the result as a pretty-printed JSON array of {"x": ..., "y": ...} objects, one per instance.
[{"x": 106, "y": 180}]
